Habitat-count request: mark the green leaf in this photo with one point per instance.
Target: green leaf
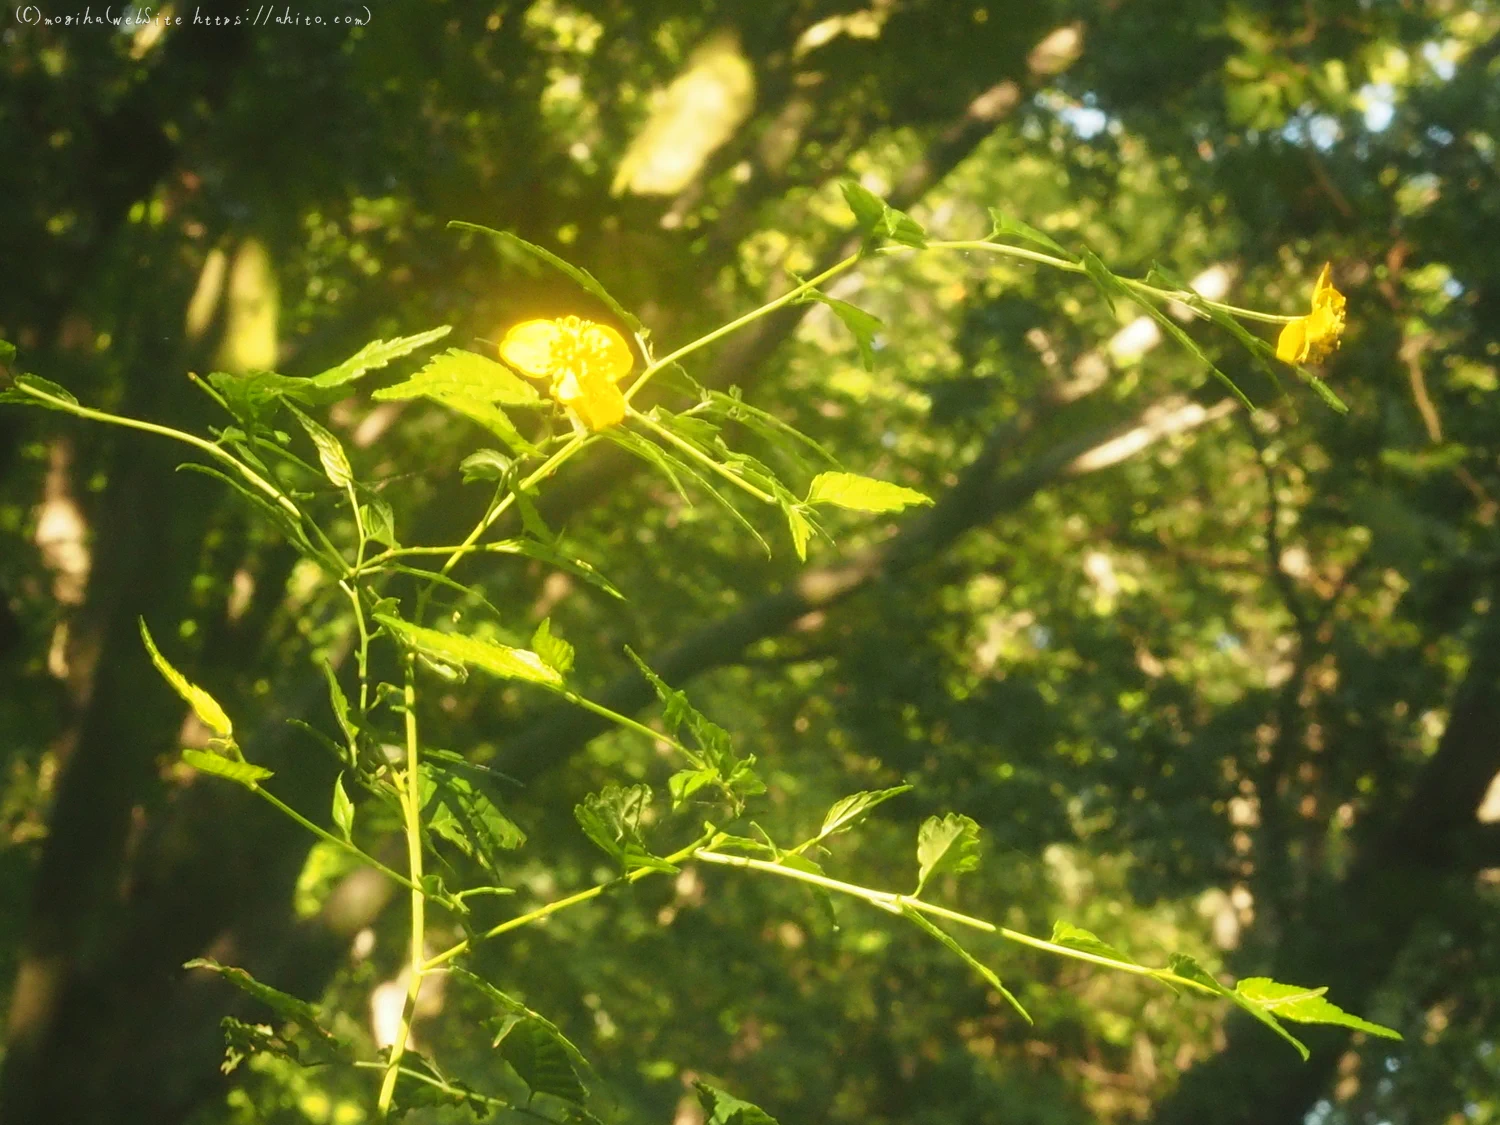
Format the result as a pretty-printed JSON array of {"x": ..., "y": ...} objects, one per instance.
[
  {"x": 862, "y": 494},
  {"x": 1003, "y": 225},
  {"x": 1261, "y": 351},
  {"x": 921, "y": 921},
  {"x": 1188, "y": 968},
  {"x": 675, "y": 468},
  {"x": 283, "y": 1004},
  {"x": 861, "y": 324},
  {"x": 724, "y": 1108},
  {"x": 554, "y": 651},
  {"x": 801, "y": 528},
  {"x": 379, "y": 522},
  {"x": 850, "y": 810},
  {"x": 729, "y": 405},
  {"x": 489, "y": 416},
  {"x": 466, "y": 817},
  {"x": 37, "y": 383},
  {"x": 868, "y": 208},
  {"x": 330, "y": 453},
  {"x": 612, "y": 817},
  {"x": 1072, "y": 937},
  {"x": 343, "y": 809},
  {"x": 509, "y": 243},
  {"x": 577, "y": 567},
  {"x": 541, "y": 1061},
  {"x": 278, "y": 516},
  {"x": 653, "y": 455},
  {"x": 1111, "y": 286},
  {"x": 1303, "y": 1005},
  {"x": 946, "y": 845},
  {"x": 684, "y": 783},
  {"x": 678, "y": 713},
  {"x": 377, "y": 353},
  {"x": 485, "y": 464},
  {"x": 510, "y": 1010},
  {"x": 204, "y": 705},
  {"x": 466, "y": 375},
  {"x": 242, "y": 1040},
  {"x": 234, "y": 769},
  {"x": 7, "y": 351},
  {"x": 453, "y": 648},
  {"x": 878, "y": 219}
]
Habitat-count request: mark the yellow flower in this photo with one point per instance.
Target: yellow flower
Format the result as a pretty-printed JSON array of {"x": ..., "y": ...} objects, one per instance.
[
  {"x": 1309, "y": 338},
  {"x": 581, "y": 360}
]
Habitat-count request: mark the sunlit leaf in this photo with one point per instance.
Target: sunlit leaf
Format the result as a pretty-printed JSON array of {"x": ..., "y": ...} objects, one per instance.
[
  {"x": 376, "y": 354},
  {"x": 946, "y": 845},
  {"x": 14, "y": 393},
  {"x": 466, "y": 375},
  {"x": 1303, "y": 1005},
  {"x": 1188, "y": 968},
  {"x": 723, "y": 1108},
  {"x": 922, "y": 922},
  {"x": 466, "y": 817},
  {"x": 541, "y": 1061},
  {"x": 453, "y": 648},
  {"x": 850, "y": 810},
  {"x": 509, "y": 242},
  {"x": 379, "y": 522},
  {"x": 862, "y": 494},
  {"x": 343, "y": 808},
  {"x": 684, "y": 783},
  {"x": 862, "y": 325},
  {"x": 1073, "y": 937},
  {"x": 879, "y": 219},
  {"x": 282, "y": 1003},
  {"x": 330, "y": 453},
  {"x": 612, "y": 819},
  {"x": 1003, "y": 226},
  {"x": 204, "y": 705},
  {"x": 232, "y": 769},
  {"x": 555, "y": 652}
]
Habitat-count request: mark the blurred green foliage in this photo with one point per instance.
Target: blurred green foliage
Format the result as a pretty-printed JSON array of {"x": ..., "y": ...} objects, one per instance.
[{"x": 1228, "y": 688}]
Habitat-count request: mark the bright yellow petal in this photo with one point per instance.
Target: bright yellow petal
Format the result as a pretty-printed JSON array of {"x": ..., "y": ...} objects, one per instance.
[
  {"x": 1323, "y": 329},
  {"x": 599, "y": 404},
  {"x": 1325, "y": 296},
  {"x": 609, "y": 354},
  {"x": 1291, "y": 345},
  {"x": 528, "y": 347}
]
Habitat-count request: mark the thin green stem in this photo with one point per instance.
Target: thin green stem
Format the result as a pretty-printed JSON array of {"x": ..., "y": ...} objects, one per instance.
[
  {"x": 351, "y": 586},
  {"x": 418, "y": 1076},
  {"x": 542, "y": 472},
  {"x": 1183, "y": 297},
  {"x": 552, "y": 908},
  {"x": 701, "y": 457},
  {"x": 411, "y": 807},
  {"x": 329, "y": 837},
  {"x": 893, "y": 903},
  {"x": 631, "y": 724},
  {"x": 218, "y": 453},
  {"x": 787, "y": 298}
]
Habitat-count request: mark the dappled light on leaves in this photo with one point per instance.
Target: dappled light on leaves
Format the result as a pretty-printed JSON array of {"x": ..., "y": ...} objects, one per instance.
[
  {"x": 251, "y": 310},
  {"x": 692, "y": 118}
]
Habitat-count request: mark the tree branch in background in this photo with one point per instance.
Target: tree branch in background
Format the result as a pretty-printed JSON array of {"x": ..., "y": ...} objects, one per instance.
[{"x": 979, "y": 496}]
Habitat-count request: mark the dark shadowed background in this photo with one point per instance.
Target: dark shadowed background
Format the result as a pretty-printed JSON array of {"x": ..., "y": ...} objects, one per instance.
[{"x": 1207, "y": 682}]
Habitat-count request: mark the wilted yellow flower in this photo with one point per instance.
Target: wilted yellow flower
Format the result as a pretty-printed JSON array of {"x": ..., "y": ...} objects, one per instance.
[
  {"x": 581, "y": 360},
  {"x": 1309, "y": 338}
]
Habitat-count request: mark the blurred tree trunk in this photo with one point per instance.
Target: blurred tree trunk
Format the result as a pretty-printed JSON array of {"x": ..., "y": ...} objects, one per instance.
[{"x": 1350, "y": 934}]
